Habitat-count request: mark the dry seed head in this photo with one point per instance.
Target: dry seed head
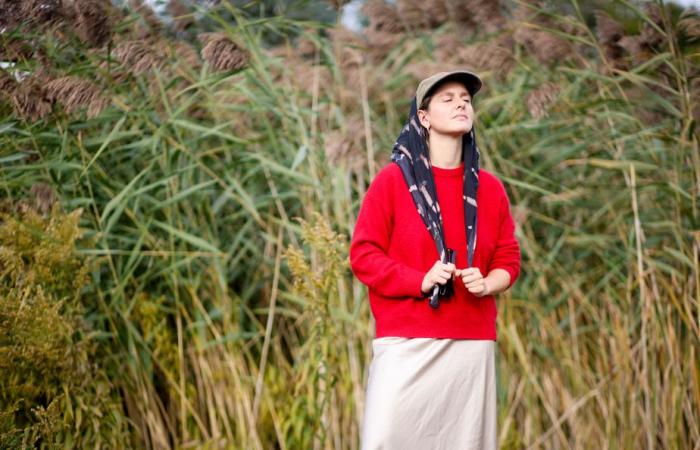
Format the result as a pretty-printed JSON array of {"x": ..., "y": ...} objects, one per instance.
[
  {"x": 608, "y": 29},
  {"x": 336, "y": 146},
  {"x": 543, "y": 45},
  {"x": 182, "y": 15},
  {"x": 137, "y": 56},
  {"x": 345, "y": 147},
  {"x": 380, "y": 43},
  {"x": 306, "y": 48},
  {"x": 186, "y": 53},
  {"x": 610, "y": 32},
  {"x": 7, "y": 83},
  {"x": 74, "y": 93},
  {"x": 12, "y": 14},
  {"x": 341, "y": 35},
  {"x": 29, "y": 100},
  {"x": 549, "y": 48},
  {"x": 41, "y": 11},
  {"x": 304, "y": 75},
  {"x": 485, "y": 15},
  {"x": 93, "y": 24},
  {"x": 149, "y": 23},
  {"x": 44, "y": 197},
  {"x": 421, "y": 14},
  {"x": 539, "y": 100},
  {"x": 383, "y": 17},
  {"x": 689, "y": 24},
  {"x": 337, "y": 4},
  {"x": 649, "y": 35},
  {"x": 635, "y": 47},
  {"x": 494, "y": 55},
  {"x": 222, "y": 53},
  {"x": 14, "y": 49}
]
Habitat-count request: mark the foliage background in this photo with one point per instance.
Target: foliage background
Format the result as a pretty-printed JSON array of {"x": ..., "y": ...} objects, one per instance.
[{"x": 177, "y": 200}]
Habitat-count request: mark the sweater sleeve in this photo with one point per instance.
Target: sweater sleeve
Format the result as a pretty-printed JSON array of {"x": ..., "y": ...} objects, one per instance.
[
  {"x": 370, "y": 243},
  {"x": 506, "y": 254}
]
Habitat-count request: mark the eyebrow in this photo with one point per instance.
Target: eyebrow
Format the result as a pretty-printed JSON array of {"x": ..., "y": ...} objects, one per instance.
[{"x": 452, "y": 93}]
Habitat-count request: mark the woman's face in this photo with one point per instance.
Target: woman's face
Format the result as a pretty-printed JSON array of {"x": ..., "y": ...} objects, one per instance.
[{"x": 450, "y": 110}]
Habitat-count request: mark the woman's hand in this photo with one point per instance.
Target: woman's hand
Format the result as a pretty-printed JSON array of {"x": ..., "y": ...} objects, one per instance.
[
  {"x": 438, "y": 274},
  {"x": 474, "y": 281}
]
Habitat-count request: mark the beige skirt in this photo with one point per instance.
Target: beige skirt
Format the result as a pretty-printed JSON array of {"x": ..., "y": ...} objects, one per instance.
[{"x": 425, "y": 393}]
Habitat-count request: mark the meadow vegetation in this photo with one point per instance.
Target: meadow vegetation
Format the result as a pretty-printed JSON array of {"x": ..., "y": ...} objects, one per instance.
[{"x": 177, "y": 202}]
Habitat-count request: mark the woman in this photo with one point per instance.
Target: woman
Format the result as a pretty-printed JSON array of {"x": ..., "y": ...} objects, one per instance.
[{"x": 432, "y": 381}]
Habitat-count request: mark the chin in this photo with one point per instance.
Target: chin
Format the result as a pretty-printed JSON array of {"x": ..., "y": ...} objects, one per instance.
[
  {"x": 463, "y": 130},
  {"x": 463, "y": 127}
]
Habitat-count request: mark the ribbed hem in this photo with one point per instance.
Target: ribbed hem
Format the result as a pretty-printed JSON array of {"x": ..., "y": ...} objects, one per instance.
[
  {"x": 414, "y": 318},
  {"x": 465, "y": 331}
]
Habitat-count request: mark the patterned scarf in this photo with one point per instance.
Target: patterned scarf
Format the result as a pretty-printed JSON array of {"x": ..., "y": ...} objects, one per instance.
[{"x": 410, "y": 152}]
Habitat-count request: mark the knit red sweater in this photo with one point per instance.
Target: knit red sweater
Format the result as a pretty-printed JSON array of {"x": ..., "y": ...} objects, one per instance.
[{"x": 391, "y": 250}]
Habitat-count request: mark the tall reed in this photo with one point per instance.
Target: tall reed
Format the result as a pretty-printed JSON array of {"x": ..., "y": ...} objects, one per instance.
[{"x": 220, "y": 182}]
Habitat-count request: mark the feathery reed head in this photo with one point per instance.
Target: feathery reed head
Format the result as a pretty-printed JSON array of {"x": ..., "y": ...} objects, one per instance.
[
  {"x": 222, "y": 53},
  {"x": 29, "y": 99},
  {"x": 137, "y": 55},
  {"x": 74, "y": 93},
  {"x": 93, "y": 23}
]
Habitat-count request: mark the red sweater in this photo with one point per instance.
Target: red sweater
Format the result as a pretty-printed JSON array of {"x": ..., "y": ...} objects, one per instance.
[{"x": 391, "y": 251}]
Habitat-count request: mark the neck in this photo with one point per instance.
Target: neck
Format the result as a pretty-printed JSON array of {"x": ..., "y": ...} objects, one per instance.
[{"x": 445, "y": 150}]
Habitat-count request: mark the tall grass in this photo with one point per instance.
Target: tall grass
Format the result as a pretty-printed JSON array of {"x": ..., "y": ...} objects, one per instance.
[{"x": 219, "y": 206}]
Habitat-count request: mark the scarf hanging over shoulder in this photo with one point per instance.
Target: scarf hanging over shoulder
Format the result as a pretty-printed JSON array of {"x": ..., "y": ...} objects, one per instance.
[{"x": 410, "y": 152}]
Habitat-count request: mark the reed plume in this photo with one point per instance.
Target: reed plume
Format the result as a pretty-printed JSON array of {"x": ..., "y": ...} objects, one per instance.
[
  {"x": 74, "y": 93},
  {"x": 137, "y": 56},
  {"x": 30, "y": 99},
  {"x": 181, "y": 14},
  {"x": 539, "y": 100},
  {"x": 609, "y": 33},
  {"x": 222, "y": 53},
  {"x": 44, "y": 197},
  {"x": 93, "y": 23},
  {"x": 689, "y": 24},
  {"x": 422, "y": 14}
]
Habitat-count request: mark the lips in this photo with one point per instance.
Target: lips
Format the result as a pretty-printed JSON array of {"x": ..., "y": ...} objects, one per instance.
[{"x": 460, "y": 116}]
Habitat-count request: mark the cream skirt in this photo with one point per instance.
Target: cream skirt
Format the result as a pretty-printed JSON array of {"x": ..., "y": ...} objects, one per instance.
[{"x": 430, "y": 394}]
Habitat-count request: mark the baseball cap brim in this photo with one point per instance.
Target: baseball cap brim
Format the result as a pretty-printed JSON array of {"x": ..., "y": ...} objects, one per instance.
[{"x": 470, "y": 80}]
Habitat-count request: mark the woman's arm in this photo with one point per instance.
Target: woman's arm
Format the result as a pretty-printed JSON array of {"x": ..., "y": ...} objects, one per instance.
[
  {"x": 370, "y": 243},
  {"x": 498, "y": 280},
  {"x": 506, "y": 255}
]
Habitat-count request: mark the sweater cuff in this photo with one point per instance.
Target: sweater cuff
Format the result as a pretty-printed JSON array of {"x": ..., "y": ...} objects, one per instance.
[
  {"x": 415, "y": 280},
  {"x": 513, "y": 272}
]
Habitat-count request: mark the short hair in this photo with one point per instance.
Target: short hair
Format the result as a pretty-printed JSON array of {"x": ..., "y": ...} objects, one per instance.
[{"x": 426, "y": 101}]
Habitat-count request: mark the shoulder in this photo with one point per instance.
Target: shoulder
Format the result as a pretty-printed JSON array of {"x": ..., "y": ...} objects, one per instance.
[
  {"x": 387, "y": 178},
  {"x": 388, "y": 173},
  {"x": 490, "y": 182},
  {"x": 490, "y": 185}
]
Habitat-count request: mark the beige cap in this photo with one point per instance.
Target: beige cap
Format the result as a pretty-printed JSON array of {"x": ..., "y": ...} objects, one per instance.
[{"x": 470, "y": 80}]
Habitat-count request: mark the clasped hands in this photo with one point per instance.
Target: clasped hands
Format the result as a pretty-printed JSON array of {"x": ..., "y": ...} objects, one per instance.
[{"x": 471, "y": 277}]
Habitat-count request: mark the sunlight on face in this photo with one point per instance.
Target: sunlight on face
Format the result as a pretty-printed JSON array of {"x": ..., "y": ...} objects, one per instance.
[{"x": 450, "y": 110}]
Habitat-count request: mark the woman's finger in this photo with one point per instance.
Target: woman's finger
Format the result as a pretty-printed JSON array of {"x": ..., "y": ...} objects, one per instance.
[
  {"x": 475, "y": 284},
  {"x": 470, "y": 278},
  {"x": 437, "y": 278}
]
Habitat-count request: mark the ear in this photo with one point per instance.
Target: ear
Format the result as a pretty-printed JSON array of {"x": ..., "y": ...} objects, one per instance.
[{"x": 422, "y": 118}]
